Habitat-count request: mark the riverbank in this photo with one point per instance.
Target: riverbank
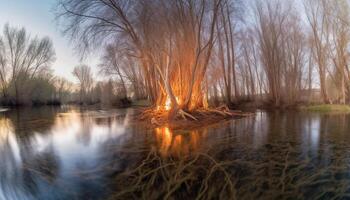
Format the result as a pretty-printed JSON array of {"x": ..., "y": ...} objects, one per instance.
[
  {"x": 326, "y": 108},
  {"x": 310, "y": 107}
]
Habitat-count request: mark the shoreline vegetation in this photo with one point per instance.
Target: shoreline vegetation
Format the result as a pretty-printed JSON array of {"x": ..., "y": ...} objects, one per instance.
[
  {"x": 326, "y": 108},
  {"x": 151, "y": 116},
  {"x": 196, "y": 119}
]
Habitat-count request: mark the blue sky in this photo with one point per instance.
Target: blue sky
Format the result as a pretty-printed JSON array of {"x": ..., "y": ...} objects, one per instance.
[{"x": 38, "y": 19}]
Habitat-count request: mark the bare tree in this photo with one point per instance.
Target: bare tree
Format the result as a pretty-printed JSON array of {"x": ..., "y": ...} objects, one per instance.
[
  {"x": 84, "y": 75},
  {"x": 173, "y": 40},
  {"x": 164, "y": 49},
  {"x": 63, "y": 88},
  {"x": 22, "y": 58},
  {"x": 340, "y": 21},
  {"x": 3, "y": 69},
  {"x": 282, "y": 53},
  {"x": 318, "y": 18},
  {"x": 111, "y": 65},
  {"x": 271, "y": 18}
]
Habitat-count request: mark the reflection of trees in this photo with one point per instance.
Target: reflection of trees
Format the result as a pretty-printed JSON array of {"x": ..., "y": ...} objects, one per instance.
[
  {"x": 177, "y": 144},
  {"x": 39, "y": 171},
  {"x": 31, "y": 164},
  {"x": 90, "y": 120},
  {"x": 280, "y": 165},
  {"x": 22, "y": 168},
  {"x": 269, "y": 156},
  {"x": 84, "y": 134},
  {"x": 104, "y": 121},
  {"x": 44, "y": 165},
  {"x": 10, "y": 177},
  {"x": 26, "y": 121},
  {"x": 161, "y": 162},
  {"x": 164, "y": 163}
]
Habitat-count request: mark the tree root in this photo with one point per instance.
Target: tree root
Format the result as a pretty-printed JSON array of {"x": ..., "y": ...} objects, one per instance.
[
  {"x": 189, "y": 118},
  {"x": 185, "y": 114}
]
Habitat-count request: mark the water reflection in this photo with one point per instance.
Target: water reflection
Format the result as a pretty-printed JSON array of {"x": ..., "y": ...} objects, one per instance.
[
  {"x": 170, "y": 143},
  {"x": 70, "y": 153},
  {"x": 37, "y": 157}
]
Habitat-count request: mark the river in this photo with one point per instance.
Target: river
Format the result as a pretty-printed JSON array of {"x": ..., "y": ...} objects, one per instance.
[{"x": 71, "y": 153}]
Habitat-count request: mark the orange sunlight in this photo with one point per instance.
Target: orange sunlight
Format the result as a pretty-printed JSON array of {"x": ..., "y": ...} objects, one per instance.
[
  {"x": 167, "y": 104},
  {"x": 169, "y": 143}
]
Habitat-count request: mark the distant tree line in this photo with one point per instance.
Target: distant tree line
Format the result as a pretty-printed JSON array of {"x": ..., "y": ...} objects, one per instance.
[
  {"x": 26, "y": 76},
  {"x": 108, "y": 93}
]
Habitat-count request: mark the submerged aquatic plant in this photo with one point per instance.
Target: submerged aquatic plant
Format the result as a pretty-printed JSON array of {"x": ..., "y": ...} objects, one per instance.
[{"x": 188, "y": 176}]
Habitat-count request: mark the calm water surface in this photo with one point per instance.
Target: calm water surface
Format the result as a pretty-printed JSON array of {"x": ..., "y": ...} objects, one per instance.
[{"x": 69, "y": 153}]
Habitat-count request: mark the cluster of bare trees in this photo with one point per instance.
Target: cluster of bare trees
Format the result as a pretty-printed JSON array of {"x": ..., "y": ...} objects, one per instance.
[
  {"x": 26, "y": 77},
  {"x": 84, "y": 75},
  {"x": 329, "y": 23},
  {"x": 90, "y": 91},
  {"x": 116, "y": 64},
  {"x": 24, "y": 64},
  {"x": 186, "y": 52},
  {"x": 170, "y": 41},
  {"x": 280, "y": 42},
  {"x": 298, "y": 54}
]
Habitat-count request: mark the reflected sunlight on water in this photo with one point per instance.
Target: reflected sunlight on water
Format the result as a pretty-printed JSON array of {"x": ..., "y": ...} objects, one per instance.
[
  {"x": 178, "y": 144},
  {"x": 70, "y": 153},
  {"x": 73, "y": 142},
  {"x": 8, "y": 140}
]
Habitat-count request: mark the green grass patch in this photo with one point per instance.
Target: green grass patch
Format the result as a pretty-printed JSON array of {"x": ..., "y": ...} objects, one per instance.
[
  {"x": 327, "y": 108},
  {"x": 142, "y": 103}
]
